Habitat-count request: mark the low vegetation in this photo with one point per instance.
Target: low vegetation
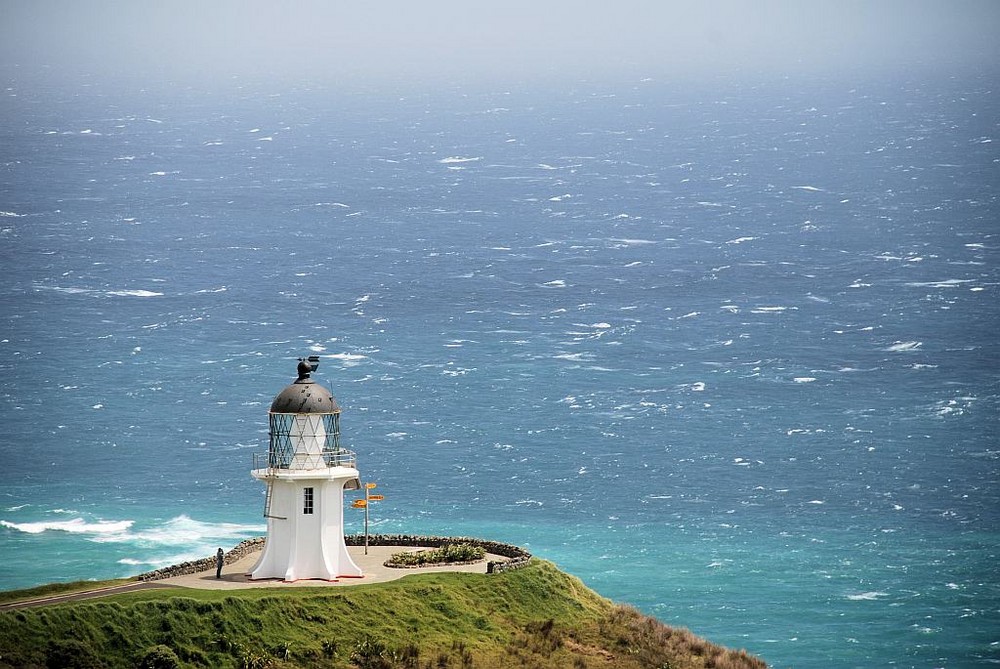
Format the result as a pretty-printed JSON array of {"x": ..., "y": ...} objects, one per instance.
[
  {"x": 537, "y": 617},
  {"x": 447, "y": 554}
]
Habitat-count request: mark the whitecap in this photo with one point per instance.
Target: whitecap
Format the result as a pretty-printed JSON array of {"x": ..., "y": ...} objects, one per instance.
[
  {"x": 133, "y": 293},
  {"x": 867, "y": 596},
  {"x": 633, "y": 242},
  {"x": 904, "y": 346},
  {"x": 181, "y": 530},
  {"x": 345, "y": 356},
  {"x": 947, "y": 283},
  {"x": 804, "y": 379},
  {"x": 458, "y": 159},
  {"x": 740, "y": 240},
  {"x": 73, "y": 526}
]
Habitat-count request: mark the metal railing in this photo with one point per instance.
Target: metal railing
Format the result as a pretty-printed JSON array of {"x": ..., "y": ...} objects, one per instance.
[{"x": 304, "y": 461}]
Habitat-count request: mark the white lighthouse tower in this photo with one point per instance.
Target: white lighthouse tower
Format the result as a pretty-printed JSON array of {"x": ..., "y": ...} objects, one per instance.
[{"x": 306, "y": 472}]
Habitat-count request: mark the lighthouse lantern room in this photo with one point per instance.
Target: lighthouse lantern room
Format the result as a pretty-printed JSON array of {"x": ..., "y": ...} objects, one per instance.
[{"x": 306, "y": 472}]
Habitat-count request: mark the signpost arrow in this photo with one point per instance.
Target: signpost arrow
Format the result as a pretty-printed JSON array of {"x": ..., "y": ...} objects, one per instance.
[{"x": 363, "y": 504}]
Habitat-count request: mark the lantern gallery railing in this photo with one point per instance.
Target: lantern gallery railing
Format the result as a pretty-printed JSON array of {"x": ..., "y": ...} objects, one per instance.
[{"x": 328, "y": 458}]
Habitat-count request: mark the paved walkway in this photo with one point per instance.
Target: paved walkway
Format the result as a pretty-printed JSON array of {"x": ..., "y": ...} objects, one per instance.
[{"x": 234, "y": 575}]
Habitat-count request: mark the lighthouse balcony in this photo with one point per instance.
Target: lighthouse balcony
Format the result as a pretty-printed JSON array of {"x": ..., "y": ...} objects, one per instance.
[{"x": 304, "y": 461}]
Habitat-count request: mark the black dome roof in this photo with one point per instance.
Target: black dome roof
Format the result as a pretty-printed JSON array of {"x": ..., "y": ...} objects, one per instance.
[{"x": 305, "y": 395}]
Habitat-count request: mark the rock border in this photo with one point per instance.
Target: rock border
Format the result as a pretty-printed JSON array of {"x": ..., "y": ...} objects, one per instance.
[
  {"x": 517, "y": 557},
  {"x": 238, "y": 552}
]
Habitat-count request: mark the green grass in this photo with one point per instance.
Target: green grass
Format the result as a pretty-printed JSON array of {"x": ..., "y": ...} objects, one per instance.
[{"x": 536, "y": 616}]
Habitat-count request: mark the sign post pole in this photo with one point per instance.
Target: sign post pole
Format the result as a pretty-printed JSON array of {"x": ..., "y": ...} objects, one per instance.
[{"x": 363, "y": 504}]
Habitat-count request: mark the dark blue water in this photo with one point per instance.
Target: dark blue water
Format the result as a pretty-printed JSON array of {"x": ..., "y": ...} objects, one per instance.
[{"x": 726, "y": 352}]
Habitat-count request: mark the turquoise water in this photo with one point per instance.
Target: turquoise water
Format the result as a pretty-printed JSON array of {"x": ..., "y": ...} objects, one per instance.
[{"x": 726, "y": 353}]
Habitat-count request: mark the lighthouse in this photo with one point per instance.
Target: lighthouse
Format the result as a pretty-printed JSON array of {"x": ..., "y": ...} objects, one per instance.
[{"x": 306, "y": 472}]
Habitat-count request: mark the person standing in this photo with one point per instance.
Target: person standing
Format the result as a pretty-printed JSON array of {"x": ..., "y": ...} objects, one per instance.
[{"x": 219, "y": 559}]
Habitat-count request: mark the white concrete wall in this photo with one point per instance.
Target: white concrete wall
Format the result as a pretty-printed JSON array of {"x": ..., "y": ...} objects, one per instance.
[{"x": 307, "y": 546}]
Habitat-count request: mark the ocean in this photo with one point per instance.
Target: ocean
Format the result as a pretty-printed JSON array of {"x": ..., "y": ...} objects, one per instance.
[{"x": 726, "y": 351}]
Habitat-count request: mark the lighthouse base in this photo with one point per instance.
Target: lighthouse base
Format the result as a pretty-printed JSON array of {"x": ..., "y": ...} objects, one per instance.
[{"x": 305, "y": 526}]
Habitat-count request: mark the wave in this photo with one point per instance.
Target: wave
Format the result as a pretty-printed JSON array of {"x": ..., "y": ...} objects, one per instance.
[
  {"x": 866, "y": 596},
  {"x": 458, "y": 159},
  {"x": 134, "y": 293},
  {"x": 180, "y": 531},
  {"x": 349, "y": 359},
  {"x": 947, "y": 283},
  {"x": 73, "y": 526},
  {"x": 904, "y": 346},
  {"x": 72, "y": 290},
  {"x": 771, "y": 310},
  {"x": 632, "y": 242}
]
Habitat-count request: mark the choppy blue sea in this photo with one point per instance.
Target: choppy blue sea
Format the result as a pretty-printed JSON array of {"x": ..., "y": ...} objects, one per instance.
[{"x": 727, "y": 352}]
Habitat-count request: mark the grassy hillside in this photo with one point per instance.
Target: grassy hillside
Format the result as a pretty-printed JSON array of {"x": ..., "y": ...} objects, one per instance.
[{"x": 537, "y": 616}]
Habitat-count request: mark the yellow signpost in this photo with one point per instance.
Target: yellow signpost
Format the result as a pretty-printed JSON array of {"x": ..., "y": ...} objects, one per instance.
[{"x": 364, "y": 503}]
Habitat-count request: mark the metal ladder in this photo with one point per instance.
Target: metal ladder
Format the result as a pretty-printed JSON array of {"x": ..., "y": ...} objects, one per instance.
[{"x": 267, "y": 501}]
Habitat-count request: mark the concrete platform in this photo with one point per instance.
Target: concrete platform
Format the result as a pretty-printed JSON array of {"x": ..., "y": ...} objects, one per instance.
[{"x": 234, "y": 575}]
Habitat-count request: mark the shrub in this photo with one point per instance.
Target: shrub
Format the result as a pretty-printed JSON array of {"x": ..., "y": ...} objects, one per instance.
[
  {"x": 370, "y": 653},
  {"x": 71, "y": 654},
  {"x": 449, "y": 553},
  {"x": 159, "y": 657},
  {"x": 254, "y": 660}
]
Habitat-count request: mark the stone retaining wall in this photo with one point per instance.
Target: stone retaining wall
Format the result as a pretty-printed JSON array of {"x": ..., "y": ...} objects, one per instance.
[
  {"x": 517, "y": 556},
  {"x": 238, "y": 552}
]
